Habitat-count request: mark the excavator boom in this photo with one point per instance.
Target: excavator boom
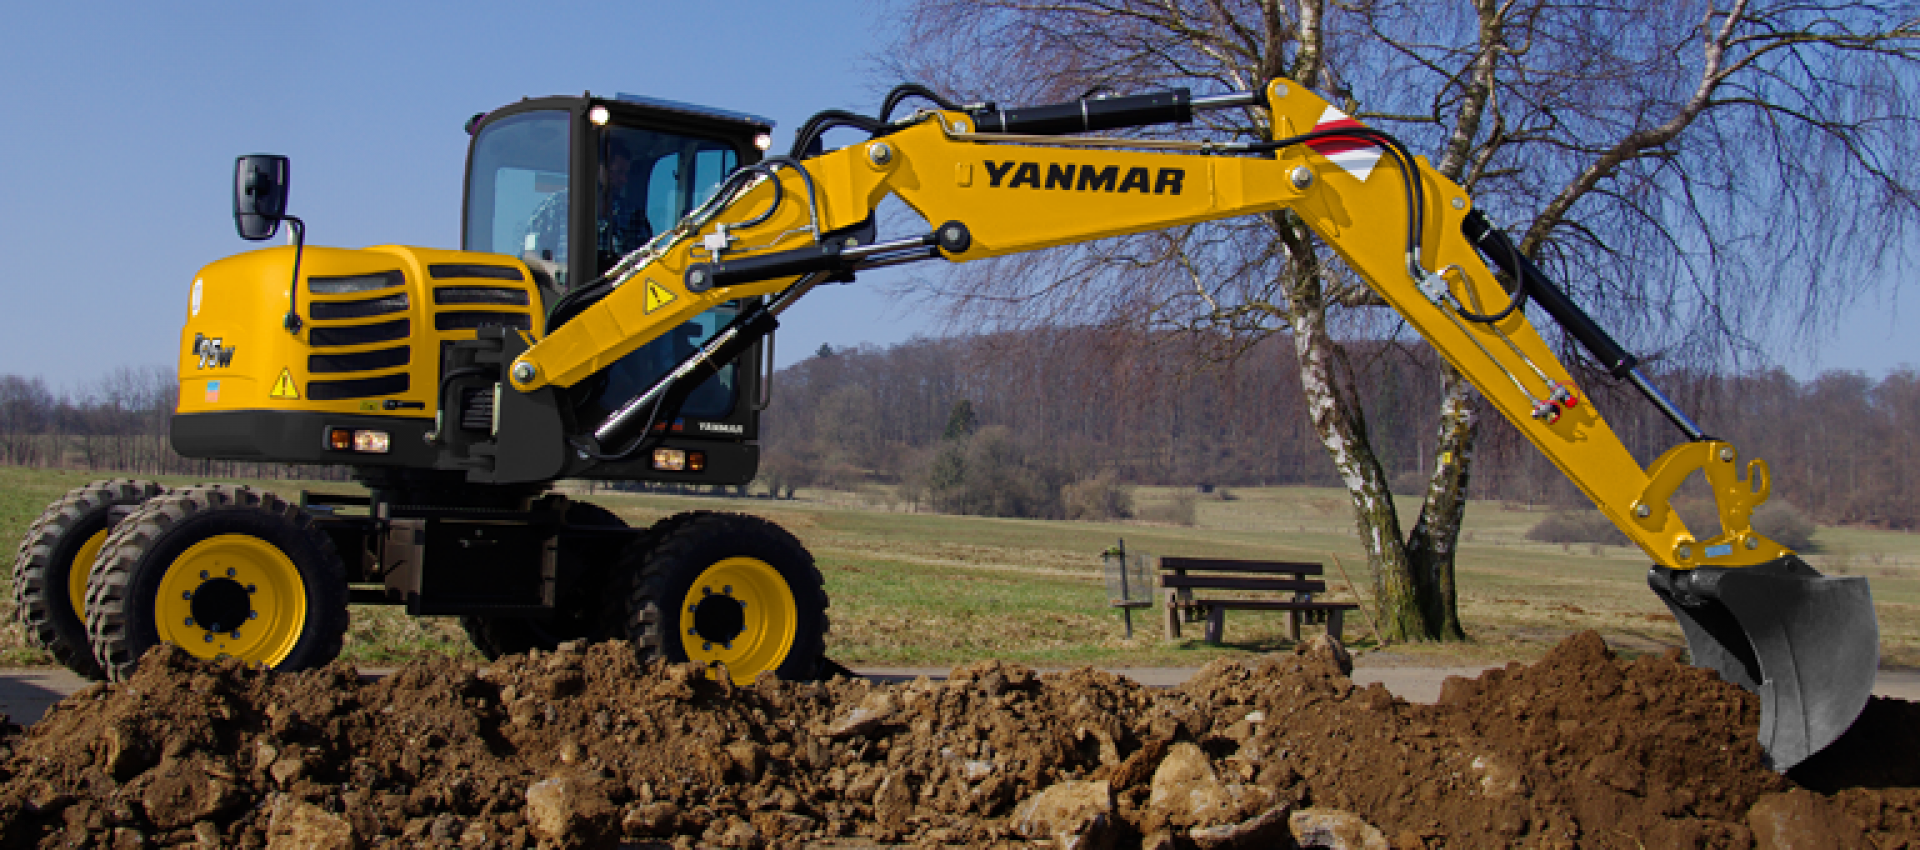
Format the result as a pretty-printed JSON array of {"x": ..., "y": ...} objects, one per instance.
[{"x": 1004, "y": 182}]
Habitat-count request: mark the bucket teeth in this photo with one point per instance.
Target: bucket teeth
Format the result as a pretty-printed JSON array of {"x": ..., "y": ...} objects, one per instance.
[{"x": 1807, "y": 644}]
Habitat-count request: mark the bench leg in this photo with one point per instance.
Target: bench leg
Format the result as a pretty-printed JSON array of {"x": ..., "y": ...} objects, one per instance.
[
  {"x": 1334, "y": 619},
  {"x": 1216, "y": 623},
  {"x": 1293, "y": 626},
  {"x": 1173, "y": 616}
]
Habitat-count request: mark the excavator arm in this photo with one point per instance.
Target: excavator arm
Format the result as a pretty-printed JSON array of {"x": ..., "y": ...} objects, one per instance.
[{"x": 1005, "y": 182}]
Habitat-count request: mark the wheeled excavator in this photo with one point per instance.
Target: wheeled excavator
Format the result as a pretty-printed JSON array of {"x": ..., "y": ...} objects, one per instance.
[{"x": 624, "y": 261}]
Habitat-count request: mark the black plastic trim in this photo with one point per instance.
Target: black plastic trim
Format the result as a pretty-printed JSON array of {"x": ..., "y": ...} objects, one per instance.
[
  {"x": 474, "y": 270},
  {"x": 344, "y": 284},
  {"x": 359, "y": 387},
  {"x": 480, "y": 295},
  {"x": 466, "y": 320},
  {"x": 366, "y": 361},
  {"x": 397, "y": 329},
  {"x": 293, "y": 436},
  {"x": 385, "y": 305}
]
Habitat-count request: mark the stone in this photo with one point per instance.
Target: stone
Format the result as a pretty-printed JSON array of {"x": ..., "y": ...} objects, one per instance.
[
  {"x": 1267, "y": 829},
  {"x": 570, "y": 811},
  {"x": 299, "y": 825},
  {"x": 1328, "y": 647},
  {"x": 1076, "y": 814},
  {"x": 870, "y": 714},
  {"x": 1334, "y": 829},
  {"x": 1186, "y": 792}
]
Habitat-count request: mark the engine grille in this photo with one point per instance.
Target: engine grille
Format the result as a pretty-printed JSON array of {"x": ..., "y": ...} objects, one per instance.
[{"x": 343, "y": 323}]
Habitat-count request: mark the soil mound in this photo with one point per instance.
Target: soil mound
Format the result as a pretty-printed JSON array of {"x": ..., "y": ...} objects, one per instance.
[{"x": 587, "y": 747}]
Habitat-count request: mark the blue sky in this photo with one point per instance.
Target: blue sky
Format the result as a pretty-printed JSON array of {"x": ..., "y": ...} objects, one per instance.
[{"x": 123, "y": 119}]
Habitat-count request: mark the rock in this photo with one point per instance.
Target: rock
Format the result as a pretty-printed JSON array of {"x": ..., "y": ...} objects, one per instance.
[
  {"x": 749, "y": 757},
  {"x": 570, "y": 811},
  {"x": 658, "y": 818},
  {"x": 1329, "y": 648},
  {"x": 1802, "y": 819},
  {"x": 207, "y": 833},
  {"x": 1186, "y": 792},
  {"x": 1335, "y": 830},
  {"x": 1498, "y": 779},
  {"x": 1267, "y": 829},
  {"x": 869, "y": 715},
  {"x": 179, "y": 794},
  {"x": 1076, "y": 814},
  {"x": 299, "y": 825}
]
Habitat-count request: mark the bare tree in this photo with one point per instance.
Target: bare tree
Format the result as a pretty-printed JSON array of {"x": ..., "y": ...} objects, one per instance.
[{"x": 1686, "y": 168}]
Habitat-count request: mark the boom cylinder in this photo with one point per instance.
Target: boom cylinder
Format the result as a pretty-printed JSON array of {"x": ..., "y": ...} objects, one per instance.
[{"x": 1089, "y": 115}]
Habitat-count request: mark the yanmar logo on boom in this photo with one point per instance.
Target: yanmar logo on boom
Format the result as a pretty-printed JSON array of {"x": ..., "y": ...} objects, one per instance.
[{"x": 1084, "y": 178}]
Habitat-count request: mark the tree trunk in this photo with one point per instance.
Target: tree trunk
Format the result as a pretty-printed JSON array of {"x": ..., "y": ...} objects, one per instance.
[
  {"x": 1338, "y": 420},
  {"x": 1433, "y": 543}
]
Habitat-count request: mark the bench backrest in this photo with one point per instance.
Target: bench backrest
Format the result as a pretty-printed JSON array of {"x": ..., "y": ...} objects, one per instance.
[{"x": 1240, "y": 575}]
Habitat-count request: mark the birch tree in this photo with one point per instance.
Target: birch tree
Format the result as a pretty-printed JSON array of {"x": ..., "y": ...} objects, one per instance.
[{"x": 1703, "y": 176}]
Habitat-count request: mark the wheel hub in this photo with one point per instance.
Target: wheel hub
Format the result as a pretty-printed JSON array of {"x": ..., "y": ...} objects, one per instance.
[
  {"x": 718, "y": 618},
  {"x": 220, "y": 605}
]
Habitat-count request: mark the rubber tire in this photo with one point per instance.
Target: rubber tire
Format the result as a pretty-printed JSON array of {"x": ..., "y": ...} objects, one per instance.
[
  {"x": 594, "y": 609},
  {"x": 121, "y": 591},
  {"x": 680, "y": 547},
  {"x": 45, "y": 564}
]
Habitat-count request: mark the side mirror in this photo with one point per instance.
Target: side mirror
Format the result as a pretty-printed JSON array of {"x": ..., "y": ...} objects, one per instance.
[{"x": 259, "y": 195}]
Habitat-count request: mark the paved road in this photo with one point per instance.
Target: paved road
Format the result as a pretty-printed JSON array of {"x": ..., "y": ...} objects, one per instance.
[{"x": 26, "y": 693}]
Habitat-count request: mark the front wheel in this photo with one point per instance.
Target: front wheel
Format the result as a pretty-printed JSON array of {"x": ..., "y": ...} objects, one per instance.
[
  {"x": 50, "y": 574},
  {"x": 733, "y": 590},
  {"x": 220, "y": 571}
]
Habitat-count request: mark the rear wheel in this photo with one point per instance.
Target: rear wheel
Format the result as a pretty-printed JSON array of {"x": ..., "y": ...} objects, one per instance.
[
  {"x": 220, "y": 571},
  {"x": 50, "y": 573},
  {"x": 593, "y": 608},
  {"x": 732, "y": 590}
]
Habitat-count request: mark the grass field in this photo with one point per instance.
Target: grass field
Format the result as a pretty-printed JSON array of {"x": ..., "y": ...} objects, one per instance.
[{"x": 927, "y": 589}]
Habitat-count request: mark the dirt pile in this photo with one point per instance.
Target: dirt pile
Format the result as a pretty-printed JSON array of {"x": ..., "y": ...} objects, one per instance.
[{"x": 586, "y": 747}]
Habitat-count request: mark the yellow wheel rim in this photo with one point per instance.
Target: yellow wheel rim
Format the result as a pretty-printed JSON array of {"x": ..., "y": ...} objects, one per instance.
[
  {"x": 739, "y": 612},
  {"x": 78, "y": 570},
  {"x": 233, "y": 595}
]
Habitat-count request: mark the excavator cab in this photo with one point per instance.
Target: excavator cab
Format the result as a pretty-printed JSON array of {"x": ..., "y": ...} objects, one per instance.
[{"x": 570, "y": 185}]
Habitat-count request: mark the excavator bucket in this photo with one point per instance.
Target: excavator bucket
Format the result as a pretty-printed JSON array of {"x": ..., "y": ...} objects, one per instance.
[{"x": 1807, "y": 644}]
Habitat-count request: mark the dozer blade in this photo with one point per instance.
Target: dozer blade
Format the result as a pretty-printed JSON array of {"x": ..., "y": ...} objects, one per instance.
[{"x": 1808, "y": 644}]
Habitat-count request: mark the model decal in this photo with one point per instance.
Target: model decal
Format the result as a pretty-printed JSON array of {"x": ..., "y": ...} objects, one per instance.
[{"x": 213, "y": 352}]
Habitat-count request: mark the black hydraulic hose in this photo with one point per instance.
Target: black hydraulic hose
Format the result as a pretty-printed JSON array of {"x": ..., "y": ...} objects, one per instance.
[
  {"x": 906, "y": 90},
  {"x": 1409, "y": 180},
  {"x": 1480, "y": 231},
  {"x": 1519, "y": 288},
  {"x": 826, "y": 120}
]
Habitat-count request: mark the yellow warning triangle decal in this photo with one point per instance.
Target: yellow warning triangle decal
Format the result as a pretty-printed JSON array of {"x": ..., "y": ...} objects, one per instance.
[
  {"x": 284, "y": 388},
  {"x": 657, "y": 296}
]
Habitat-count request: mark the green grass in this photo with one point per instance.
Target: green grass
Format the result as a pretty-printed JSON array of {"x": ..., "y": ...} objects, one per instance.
[{"x": 927, "y": 589}]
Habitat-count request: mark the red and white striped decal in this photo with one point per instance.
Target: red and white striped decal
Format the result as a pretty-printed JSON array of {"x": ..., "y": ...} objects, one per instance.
[{"x": 1356, "y": 156}]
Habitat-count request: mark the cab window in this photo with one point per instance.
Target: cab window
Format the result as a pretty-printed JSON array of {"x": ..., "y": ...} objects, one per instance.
[{"x": 516, "y": 190}]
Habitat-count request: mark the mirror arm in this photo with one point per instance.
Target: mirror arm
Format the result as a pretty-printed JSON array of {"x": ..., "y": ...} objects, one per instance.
[{"x": 292, "y": 322}]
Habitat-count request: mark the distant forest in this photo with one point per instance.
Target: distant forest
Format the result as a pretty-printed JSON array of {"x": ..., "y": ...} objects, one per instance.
[
  {"x": 1137, "y": 408},
  {"x": 1041, "y": 423}
]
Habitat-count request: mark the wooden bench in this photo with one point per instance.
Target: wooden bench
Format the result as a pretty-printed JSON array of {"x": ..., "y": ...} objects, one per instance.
[{"x": 1182, "y": 576}]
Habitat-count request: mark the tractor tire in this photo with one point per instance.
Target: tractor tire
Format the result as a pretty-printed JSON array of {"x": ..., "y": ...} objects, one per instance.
[
  {"x": 50, "y": 573},
  {"x": 594, "y": 608},
  {"x": 220, "y": 571},
  {"x": 729, "y": 589}
]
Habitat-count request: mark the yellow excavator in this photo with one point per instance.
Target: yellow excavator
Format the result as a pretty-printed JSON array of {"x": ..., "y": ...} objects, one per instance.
[{"x": 624, "y": 262}]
